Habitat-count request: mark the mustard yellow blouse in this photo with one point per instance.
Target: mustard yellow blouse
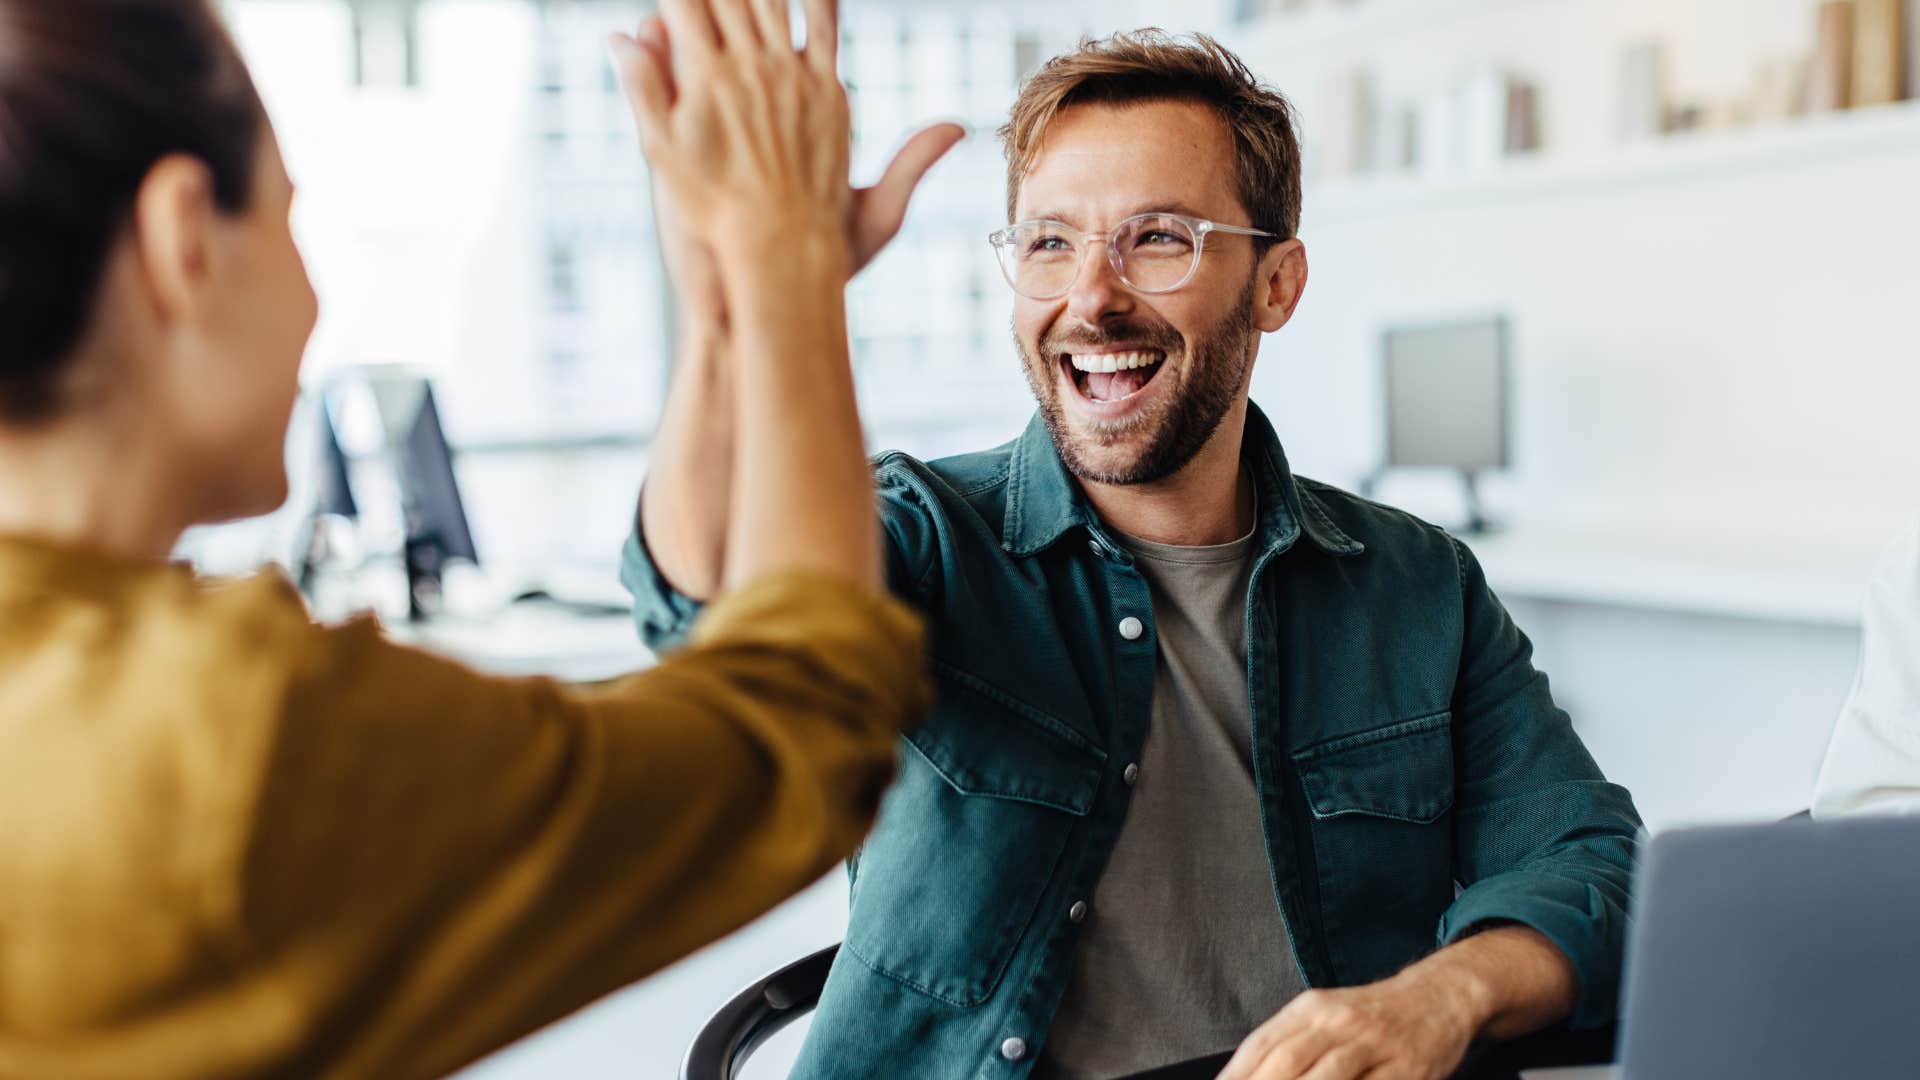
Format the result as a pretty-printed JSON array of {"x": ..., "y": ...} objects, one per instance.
[{"x": 233, "y": 842}]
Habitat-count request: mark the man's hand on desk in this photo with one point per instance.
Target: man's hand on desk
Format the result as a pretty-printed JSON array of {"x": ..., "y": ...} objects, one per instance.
[{"x": 1417, "y": 1025}]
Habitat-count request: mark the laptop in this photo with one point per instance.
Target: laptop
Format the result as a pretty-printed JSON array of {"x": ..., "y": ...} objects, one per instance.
[{"x": 1773, "y": 952}]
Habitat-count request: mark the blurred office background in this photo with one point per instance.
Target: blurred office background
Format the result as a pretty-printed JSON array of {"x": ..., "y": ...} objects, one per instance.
[{"x": 1672, "y": 248}]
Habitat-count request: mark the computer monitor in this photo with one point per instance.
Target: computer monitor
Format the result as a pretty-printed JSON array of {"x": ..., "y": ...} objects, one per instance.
[
  {"x": 437, "y": 530},
  {"x": 331, "y": 494},
  {"x": 335, "y": 494},
  {"x": 1447, "y": 400}
]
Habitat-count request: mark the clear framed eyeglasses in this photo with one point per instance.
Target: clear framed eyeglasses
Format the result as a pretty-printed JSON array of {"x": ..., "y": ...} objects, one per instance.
[{"x": 1152, "y": 253}]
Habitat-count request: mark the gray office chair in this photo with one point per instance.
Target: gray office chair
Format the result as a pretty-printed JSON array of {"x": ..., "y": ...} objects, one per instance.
[{"x": 745, "y": 1023}]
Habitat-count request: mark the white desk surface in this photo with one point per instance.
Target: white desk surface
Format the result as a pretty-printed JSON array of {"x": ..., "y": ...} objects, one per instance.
[
  {"x": 1757, "y": 577},
  {"x": 534, "y": 639}
]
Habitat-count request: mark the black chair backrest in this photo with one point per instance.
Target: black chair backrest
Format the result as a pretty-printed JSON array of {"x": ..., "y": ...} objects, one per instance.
[{"x": 732, "y": 1034}]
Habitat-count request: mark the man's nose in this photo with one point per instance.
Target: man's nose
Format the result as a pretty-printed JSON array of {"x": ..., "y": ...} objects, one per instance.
[{"x": 1098, "y": 294}]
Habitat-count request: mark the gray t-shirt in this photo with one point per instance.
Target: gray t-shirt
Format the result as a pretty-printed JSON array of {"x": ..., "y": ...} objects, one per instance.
[{"x": 1184, "y": 951}]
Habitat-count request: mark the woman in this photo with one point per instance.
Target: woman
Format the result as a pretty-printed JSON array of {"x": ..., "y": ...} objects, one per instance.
[
  {"x": 235, "y": 843},
  {"x": 1873, "y": 762}
]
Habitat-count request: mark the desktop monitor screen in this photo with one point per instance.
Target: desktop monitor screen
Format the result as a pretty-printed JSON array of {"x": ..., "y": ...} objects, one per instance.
[
  {"x": 434, "y": 507},
  {"x": 436, "y": 517},
  {"x": 333, "y": 472},
  {"x": 1446, "y": 395}
]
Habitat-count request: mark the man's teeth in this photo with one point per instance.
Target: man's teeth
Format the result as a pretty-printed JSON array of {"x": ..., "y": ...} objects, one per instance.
[{"x": 1114, "y": 361}]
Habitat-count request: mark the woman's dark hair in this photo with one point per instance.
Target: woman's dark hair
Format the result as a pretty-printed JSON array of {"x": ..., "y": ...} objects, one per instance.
[{"x": 92, "y": 94}]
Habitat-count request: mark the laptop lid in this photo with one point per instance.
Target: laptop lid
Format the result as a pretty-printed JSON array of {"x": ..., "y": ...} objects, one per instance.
[{"x": 1777, "y": 952}]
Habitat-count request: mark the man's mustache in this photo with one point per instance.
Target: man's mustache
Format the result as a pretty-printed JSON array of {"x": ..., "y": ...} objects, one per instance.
[{"x": 1156, "y": 337}]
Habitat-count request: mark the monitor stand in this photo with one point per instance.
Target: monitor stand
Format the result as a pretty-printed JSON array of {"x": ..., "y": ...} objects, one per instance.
[
  {"x": 425, "y": 558},
  {"x": 1478, "y": 524}
]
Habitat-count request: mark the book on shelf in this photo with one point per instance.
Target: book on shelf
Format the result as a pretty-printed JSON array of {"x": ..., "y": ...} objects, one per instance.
[
  {"x": 1642, "y": 111},
  {"x": 1523, "y": 117},
  {"x": 1878, "y": 48},
  {"x": 1351, "y": 118},
  {"x": 1913, "y": 48},
  {"x": 1831, "y": 85}
]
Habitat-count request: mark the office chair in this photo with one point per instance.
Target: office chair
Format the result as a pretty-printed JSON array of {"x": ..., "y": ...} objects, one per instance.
[{"x": 752, "y": 1017}]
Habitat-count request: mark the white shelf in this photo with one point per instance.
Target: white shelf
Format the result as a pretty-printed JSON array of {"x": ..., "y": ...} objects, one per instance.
[
  {"x": 1741, "y": 577},
  {"x": 1685, "y": 158},
  {"x": 1369, "y": 20}
]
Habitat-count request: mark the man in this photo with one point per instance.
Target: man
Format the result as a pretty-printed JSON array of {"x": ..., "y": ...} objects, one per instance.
[
  {"x": 1209, "y": 735},
  {"x": 1873, "y": 764}
]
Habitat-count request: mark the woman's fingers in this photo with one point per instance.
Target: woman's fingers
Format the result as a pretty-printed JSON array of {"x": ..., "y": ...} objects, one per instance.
[
  {"x": 690, "y": 27},
  {"x": 647, "y": 81},
  {"x": 776, "y": 26},
  {"x": 823, "y": 36},
  {"x": 652, "y": 36},
  {"x": 739, "y": 28}
]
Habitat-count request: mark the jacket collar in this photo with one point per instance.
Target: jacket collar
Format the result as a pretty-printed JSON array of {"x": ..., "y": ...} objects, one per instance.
[{"x": 1044, "y": 503}]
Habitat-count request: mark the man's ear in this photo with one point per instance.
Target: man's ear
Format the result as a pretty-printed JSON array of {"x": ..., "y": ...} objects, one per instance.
[
  {"x": 1279, "y": 281},
  {"x": 173, "y": 235}
]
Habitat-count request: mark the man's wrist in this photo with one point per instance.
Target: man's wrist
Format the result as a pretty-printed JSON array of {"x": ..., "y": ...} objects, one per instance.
[
  {"x": 1506, "y": 980},
  {"x": 1459, "y": 986}
]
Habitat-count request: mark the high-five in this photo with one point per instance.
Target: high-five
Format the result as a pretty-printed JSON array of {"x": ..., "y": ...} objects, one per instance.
[{"x": 689, "y": 500}]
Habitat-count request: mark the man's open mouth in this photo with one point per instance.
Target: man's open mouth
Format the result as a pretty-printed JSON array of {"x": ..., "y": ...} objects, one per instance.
[{"x": 1108, "y": 377}]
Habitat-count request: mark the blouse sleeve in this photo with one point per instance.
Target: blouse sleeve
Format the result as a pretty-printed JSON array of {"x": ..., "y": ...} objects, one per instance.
[{"x": 442, "y": 861}]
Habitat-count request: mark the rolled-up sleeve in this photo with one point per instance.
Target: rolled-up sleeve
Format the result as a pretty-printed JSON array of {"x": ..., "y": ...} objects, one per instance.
[
  {"x": 909, "y": 543},
  {"x": 443, "y": 861},
  {"x": 664, "y": 614},
  {"x": 1543, "y": 840}
]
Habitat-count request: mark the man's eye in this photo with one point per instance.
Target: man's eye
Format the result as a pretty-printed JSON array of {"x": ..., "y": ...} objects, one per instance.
[
  {"x": 1159, "y": 236},
  {"x": 1048, "y": 243}
]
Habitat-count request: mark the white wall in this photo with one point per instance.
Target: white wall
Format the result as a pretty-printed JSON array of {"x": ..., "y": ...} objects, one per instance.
[
  {"x": 1715, "y": 349},
  {"x": 1722, "y": 323}
]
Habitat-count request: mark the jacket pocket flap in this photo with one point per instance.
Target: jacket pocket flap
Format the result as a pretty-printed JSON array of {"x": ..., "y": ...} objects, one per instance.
[
  {"x": 1006, "y": 749},
  {"x": 1403, "y": 772}
]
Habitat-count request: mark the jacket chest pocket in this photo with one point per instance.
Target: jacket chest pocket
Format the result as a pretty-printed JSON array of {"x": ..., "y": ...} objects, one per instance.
[
  {"x": 970, "y": 839},
  {"x": 1380, "y": 805}
]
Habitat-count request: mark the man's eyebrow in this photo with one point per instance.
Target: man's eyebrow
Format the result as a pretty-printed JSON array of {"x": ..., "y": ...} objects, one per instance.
[{"x": 1159, "y": 206}]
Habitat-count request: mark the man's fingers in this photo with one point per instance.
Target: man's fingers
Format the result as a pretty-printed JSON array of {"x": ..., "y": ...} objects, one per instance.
[
  {"x": 1253, "y": 1049},
  {"x": 880, "y": 209},
  {"x": 647, "y": 84},
  {"x": 823, "y": 35},
  {"x": 1340, "y": 1063},
  {"x": 1294, "y": 1055},
  {"x": 910, "y": 165}
]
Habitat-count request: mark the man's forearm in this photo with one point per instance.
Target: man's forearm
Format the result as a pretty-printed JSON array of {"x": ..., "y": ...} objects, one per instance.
[
  {"x": 685, "y": 503},
  {"x": 1511, "y": 980}
]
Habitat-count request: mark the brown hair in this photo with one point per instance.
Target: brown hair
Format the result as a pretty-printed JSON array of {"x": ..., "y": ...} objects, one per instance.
[
  {"x": 92, "y": 94},
  {"x": 1152, "y": 65}
]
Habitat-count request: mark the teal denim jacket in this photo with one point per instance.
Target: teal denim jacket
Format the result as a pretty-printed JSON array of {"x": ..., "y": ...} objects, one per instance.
[{"x": 1415, "y": 779}]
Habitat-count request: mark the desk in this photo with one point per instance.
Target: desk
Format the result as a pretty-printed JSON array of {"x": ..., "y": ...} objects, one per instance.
[
  {"x": 534, "y": 639},
  {"x": 1535, "y": 1057},
  {"x": 1733, "y": 576}
]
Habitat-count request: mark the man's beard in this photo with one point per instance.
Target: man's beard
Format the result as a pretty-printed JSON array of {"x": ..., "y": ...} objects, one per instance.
[{"x": 1183, "y": 420}]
